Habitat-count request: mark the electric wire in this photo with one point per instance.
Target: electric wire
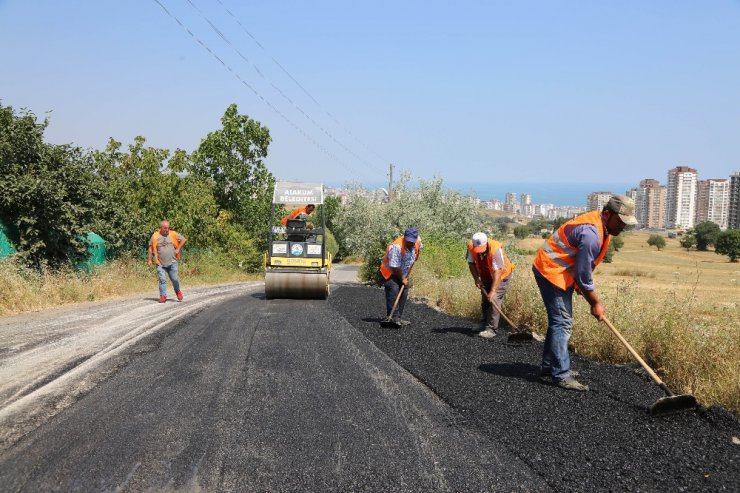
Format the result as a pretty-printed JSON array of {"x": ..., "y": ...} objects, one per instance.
[
  {"x": 254, "y": 91},
  {"x": 274, "y": 86},
  {"x": 305, "y": 91}
]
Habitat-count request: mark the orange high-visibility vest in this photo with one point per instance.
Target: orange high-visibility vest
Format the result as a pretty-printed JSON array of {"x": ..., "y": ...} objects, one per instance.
[
  {"x": 294, "y": 213},
  {"x": 385, "y": 268},
  {"x": 557, "y": 258},
  {"x": 173, "y": 239},
  {"x": 493, "y": 246}
]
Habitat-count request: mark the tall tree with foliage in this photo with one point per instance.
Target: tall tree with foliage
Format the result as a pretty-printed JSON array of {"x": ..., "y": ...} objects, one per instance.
[
  {"x": 233, "y": 158},
  {"x": 728, "y": 243},
  {"x": 152, "y": 184},
  {"x": 47, "y": 192},
  {"x": 706, "y": 234}
]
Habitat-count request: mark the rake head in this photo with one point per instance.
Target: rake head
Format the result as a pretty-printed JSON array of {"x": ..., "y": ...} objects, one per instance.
[
  {"x": 521, "y": 337},
  {"x": 389, "y": 323},
  {"x": 673, "y": 404}
]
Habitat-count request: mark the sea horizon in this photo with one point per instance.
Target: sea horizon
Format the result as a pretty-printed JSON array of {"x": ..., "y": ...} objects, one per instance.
[{"x": 559, "y": 194}]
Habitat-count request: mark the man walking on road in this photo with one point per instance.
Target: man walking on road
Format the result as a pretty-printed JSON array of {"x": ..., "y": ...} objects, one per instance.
[
  {"x": 491, "y": 271},
  {"x": 166, "y": 244},
  {"x": 566, "y": 262},
  {"x": 395, "y": 267}
]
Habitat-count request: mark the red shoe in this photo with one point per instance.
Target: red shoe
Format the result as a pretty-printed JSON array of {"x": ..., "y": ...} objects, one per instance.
[
  {"x": 179, "y": 295},
  {"x": 162, "y": 299}
]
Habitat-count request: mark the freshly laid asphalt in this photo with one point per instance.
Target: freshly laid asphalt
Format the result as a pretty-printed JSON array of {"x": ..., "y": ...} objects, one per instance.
[
  {"x": 601, "y": 440},
  {"x": 292, "y": 395}
]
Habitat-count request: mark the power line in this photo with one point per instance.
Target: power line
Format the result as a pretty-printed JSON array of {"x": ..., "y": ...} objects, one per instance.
[
  {"x": 261, "y": 74},
  {"x": 248, "y": 86},
  {"x": 305, "y": 91}
]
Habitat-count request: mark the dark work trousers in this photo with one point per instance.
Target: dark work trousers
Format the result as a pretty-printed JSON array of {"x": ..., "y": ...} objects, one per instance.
[
  {"x": 392, "y": 286},
  {"x": 490, "y": 314}
]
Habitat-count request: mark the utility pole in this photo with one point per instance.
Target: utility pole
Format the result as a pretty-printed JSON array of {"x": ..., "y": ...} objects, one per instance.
[{"x": 390, "y": 181}]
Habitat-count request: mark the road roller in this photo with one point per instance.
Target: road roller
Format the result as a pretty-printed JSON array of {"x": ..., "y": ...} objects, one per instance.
[{"x": 297, "y": 264}]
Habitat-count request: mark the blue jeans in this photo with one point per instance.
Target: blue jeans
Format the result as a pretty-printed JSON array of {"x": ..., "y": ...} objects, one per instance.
[
  {"x": 162, "y": 273},
  {"x": 559, "y": 306},
  {"x": 392, "y": 286}
]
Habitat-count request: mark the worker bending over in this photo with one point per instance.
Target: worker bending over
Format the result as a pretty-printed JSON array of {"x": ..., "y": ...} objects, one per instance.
[
  {"x": 492, "y": 272},
  {"x": 395, "y": 268}
]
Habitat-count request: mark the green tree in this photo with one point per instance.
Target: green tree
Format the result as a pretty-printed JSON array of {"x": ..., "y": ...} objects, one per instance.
[
  {"x": 657, "y": 241},
  {"x": 521, "y": 231},
  {"x": 152, "y": 184},
  {"x": 331, "y": 209},
  {"x": 233, "y": 158},
  {"x": 618, "y": 242},
  {"x": 688, "y": 240},
  {"x": 48, "y": 192},
  {"x": 728, "y": 243},
  {"x": 706, "y": 234}
]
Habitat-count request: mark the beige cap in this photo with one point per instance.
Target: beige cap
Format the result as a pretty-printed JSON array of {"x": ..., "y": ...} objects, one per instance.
[{"x": 624, "y": 207}]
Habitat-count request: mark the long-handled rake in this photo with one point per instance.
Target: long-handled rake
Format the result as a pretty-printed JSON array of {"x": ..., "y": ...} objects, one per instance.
[
  {"x": 671, "y": 403},
  {"x": 519, "y": 336},
  {"x": 388, "y": 321}
]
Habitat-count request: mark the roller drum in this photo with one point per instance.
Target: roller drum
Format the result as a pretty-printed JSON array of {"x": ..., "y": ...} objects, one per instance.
[{"x": 297, "y": 285}]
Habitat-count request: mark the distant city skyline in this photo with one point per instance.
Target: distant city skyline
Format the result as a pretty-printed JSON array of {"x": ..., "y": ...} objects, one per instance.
[{"x": 470, "y": 91}]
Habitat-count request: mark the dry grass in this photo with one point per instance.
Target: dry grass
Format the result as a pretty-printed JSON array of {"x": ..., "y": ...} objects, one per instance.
[
  {"x": 24, "y": 290},
  {"x": 680, "y": 310}
]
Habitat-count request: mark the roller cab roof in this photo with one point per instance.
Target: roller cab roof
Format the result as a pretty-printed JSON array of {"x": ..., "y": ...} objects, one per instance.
[{"x": 298, "y": 193}]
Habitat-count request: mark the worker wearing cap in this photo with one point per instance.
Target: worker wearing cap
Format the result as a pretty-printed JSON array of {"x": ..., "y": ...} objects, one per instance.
[
  {"x": 306, "y": 210},
  {"x": 395, "y": 267},
  {"x": 492, "y": 272},
  {"x": 564, "y": 264}
]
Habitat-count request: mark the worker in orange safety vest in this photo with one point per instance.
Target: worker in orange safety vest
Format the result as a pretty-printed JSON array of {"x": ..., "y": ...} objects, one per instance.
[
  {"x": 564, "y": 264},
  {"x": 395, "y": 268},
  {"x": 306, "y": 210},
  {"x": 165, "y": 245},
  {"x": 492, "y": 273}
]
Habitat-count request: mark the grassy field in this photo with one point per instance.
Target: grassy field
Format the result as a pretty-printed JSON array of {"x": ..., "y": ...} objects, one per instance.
[
  {"x": 679, "y": 309},
  {"x": 24, "y": 290}
]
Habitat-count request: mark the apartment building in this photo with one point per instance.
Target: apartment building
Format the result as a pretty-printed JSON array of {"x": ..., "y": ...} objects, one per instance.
[
  {"x": 681, "y": 198},
  {"x": 733, "y": 209},
  {"x": 650, "y": 204},
  {"x": 713, "y": 201},
  {"x": 597, "y": 200}
]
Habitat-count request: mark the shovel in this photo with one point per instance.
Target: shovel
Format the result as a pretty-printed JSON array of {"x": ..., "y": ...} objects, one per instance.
[
  {"x": 389, "y": 322},
  {"x": 671, "y": 403},
  {"x": 519, "y": 336}
]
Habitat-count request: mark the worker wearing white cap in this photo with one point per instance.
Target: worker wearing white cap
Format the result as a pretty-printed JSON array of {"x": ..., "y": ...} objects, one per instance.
[{"x": 491, "y": 271}]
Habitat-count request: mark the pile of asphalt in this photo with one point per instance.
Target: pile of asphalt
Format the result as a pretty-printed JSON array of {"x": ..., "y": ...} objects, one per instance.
[{"x": 603, "y": 439}]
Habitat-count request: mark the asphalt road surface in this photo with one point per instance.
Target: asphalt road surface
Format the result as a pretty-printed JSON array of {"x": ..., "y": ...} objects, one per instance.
[{"x": 228, "y": 391}]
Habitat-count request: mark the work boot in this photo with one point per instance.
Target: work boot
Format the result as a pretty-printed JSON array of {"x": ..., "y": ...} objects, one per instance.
[
  {"x": 571, "y": 383},
  {"x": 489, "y": 333},
  {"x": 403, "y": 323},
  {"x": 162, "y": 298},
  {"x": 179, "y": 295}
]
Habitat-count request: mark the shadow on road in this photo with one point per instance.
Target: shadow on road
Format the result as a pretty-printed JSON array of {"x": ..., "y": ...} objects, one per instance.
[
  {"x": 466, "y": 331},
  {"x": 525, "y": 371}
]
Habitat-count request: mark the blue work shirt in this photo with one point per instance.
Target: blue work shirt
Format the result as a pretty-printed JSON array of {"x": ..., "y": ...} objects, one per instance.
[
  {"x": 396, "y": 260},
  {"x": 585, "y": 239}
]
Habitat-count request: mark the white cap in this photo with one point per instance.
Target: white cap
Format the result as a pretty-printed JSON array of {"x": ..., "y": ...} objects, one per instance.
[{"x": 480, "y": 241}]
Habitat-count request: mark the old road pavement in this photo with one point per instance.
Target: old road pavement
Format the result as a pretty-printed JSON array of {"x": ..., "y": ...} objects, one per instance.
[{"x": 227, "y": 391}]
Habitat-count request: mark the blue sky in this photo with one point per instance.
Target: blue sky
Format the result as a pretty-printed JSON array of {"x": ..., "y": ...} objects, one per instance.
[{"x": 474, "y": 91}]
